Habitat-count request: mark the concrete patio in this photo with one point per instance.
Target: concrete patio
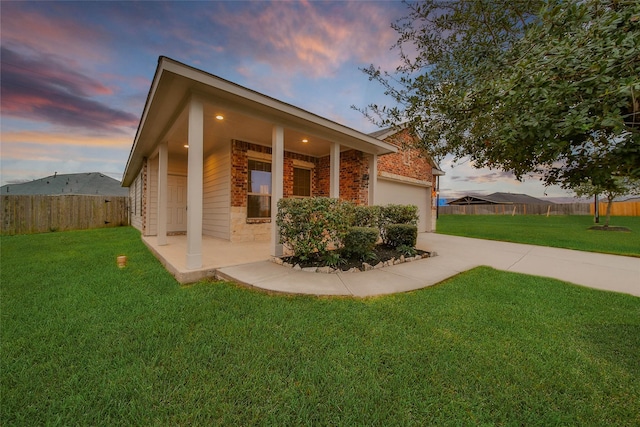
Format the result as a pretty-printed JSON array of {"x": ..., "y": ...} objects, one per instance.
[
  {"x": 216, "y": 253},
  {"x": 248, "y": 263}
]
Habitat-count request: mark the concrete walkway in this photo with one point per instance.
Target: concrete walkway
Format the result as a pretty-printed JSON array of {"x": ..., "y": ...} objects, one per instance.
[{"x": 455, "y": 255}]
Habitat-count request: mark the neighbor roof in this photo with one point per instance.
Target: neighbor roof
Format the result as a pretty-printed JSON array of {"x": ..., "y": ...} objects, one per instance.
[
  {"x": 89, "y": 183},
  {"x": 497, "y": 199}
]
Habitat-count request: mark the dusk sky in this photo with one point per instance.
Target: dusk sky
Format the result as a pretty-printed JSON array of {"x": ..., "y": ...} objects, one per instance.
[{"x": 75, "y": 75}]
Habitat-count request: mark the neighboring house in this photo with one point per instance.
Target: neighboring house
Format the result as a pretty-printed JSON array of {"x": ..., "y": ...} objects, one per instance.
[
  {"x": 89, "y": 183},
  {"x": 498, "y": 199},
  {"x": 213, "y": 158}
]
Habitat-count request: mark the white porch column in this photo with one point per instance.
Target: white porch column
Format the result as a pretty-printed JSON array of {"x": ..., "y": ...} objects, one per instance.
[
  {"x": 194, "y": 184},
  {"x": 277, "y": 185},
  {"x": 334, "y": 171},
  {"x": 373, "y": 179},
  {"x": 163, "y": 170}
]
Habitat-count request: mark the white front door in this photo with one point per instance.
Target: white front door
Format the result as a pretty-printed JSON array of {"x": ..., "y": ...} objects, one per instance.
[{"x": 176, "y": 203}]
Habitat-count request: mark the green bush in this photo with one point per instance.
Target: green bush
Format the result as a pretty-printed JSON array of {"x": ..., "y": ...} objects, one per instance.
[
  {"x": 399, "y": 214},
  {"x": 401, "y": 235},
  {"x": 396, "y": 214},
  {"x": 311, "y": 225},
  {"x": 366, "y": 216},
  {"x": 360, "y": 241}
]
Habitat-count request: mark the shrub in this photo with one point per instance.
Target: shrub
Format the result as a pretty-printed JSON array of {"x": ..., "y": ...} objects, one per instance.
[
  {"x": 399, "y": 214},
  {"x": 401, "y": 235},
  {"x": 366, "y": 216},
  {"x": 360, "y": 241},
  {"x": 311, "y": 225},
  {"x": 396, "y": 214},
  {"x": 407, "y": 250}
]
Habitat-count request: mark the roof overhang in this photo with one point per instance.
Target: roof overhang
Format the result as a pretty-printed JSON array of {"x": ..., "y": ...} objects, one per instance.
[{"x": 174, "y": 84}]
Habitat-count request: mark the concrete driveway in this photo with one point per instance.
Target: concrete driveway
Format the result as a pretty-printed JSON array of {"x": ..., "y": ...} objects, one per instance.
[{"x": 455, "y": 255}]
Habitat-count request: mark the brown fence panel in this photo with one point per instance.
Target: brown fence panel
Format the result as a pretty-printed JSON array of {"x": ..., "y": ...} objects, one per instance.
[
  {"x": 517, "y": 209},
  {"x": 618, "y": 208},
  {"x": 41, "y": 214}
]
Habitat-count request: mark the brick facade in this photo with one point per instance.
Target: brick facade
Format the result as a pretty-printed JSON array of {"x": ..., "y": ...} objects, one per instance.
[
  {"x": 240, "y": 170},
  {"x": 354, "y": 177},
  {"x": 322, "y": 176},
  {"x": 354, "y": 173},
  {"x": 408, "y": 162}
]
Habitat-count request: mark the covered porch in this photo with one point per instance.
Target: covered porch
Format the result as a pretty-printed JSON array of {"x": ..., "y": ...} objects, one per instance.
[
  {"x": 216, "y": 254},
  {"x": 192, "y": 127}
]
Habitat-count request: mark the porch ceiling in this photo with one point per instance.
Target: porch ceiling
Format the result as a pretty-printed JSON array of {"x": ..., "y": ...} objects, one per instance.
[
  {"x": 236, "y": 125},
  {"x": 248, "y": 116}
]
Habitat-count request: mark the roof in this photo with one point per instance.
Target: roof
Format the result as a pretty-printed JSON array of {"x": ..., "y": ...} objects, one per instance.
[
  {"x": 174, "y": 83},
  {"x": 89, "y": 183},
  {"x": 497, "y": 199}
]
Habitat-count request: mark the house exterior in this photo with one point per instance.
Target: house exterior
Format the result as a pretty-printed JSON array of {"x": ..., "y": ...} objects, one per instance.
[
  {"x": 213, "y": 158},
  {"x": 408, "y": 176}
]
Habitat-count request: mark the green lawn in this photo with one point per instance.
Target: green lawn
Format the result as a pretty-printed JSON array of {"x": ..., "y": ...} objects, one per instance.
[
  {"x": 569, "y": 231},
  {"x": 84, "y": 343}
]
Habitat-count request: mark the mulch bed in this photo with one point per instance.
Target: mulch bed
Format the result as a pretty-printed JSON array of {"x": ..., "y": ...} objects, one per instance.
[
  {"x": 383, "y": 253},
  {"x": 609, "y": 228}
]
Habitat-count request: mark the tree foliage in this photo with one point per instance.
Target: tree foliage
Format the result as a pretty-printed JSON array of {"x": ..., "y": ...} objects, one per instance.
[
  {"x": 550, "y": 88},
  {"x": 615, "y": 187}
]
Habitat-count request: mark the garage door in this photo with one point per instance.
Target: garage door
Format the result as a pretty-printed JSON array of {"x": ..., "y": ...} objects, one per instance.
[{"x": 399, "y": 193}]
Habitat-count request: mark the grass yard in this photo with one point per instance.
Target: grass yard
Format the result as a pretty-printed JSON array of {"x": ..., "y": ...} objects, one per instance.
[
  {"x": 570, "y": 231},
  {"x": 84, "y": 343}
]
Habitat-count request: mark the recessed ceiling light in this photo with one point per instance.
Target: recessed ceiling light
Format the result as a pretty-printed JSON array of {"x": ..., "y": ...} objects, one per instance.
[
  {"x": 219, "y": 117},
  {"x": 186, "y": 145},
  {"x": 305, "y": 140}
]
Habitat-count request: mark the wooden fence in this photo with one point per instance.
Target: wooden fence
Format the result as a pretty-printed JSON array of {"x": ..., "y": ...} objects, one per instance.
[
  {"x": 618, "y": 209},
  {"x": 42, "y": 214}
]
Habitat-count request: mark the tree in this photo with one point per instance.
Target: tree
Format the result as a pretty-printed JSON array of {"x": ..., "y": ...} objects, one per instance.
[
  {"x": 550, "y": 89},
  {"x": 619, "y": 186}
]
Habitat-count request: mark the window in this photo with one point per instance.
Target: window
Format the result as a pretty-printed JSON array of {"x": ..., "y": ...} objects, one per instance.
[
  {"x": 301, "y": 182},
  {"x": 259, "y": 194}
]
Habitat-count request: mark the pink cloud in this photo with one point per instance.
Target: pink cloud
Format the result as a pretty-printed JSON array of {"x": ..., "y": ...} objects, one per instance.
[
  {"x": 44, "y": 89},
  {"x": 13, "y": 142},
  {"x": 46, "y": 35},
  {"x": 312, "y": 38}
]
